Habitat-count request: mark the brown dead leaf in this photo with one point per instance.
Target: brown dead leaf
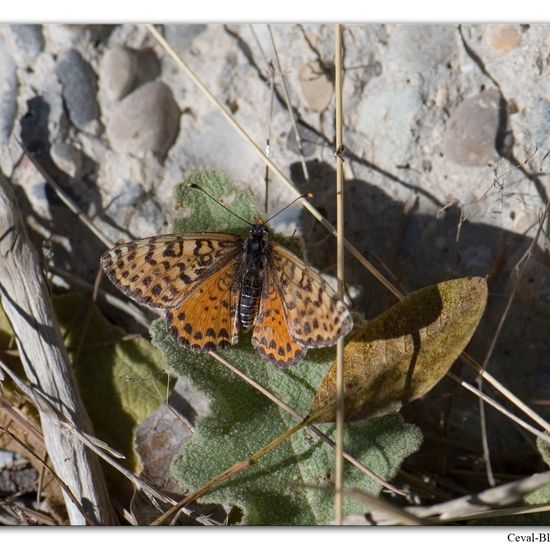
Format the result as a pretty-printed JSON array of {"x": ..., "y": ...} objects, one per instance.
[{"x": 403, "y": 353}]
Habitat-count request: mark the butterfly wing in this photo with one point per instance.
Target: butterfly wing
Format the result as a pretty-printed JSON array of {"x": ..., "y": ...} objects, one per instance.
[
  {"x": 316, "y": 317},
  {"x": 162, "y": 271},
  {"x": 208, "y": 318},
  {"x": 271, "y": 336}
]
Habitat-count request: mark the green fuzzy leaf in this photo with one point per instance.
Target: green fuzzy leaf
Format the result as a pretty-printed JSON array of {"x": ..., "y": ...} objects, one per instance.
[
  {"x": 544, "y": 450},
  {"x": 121, "y": 380},
  {"x": 201, "y": 213},
  {"x": 542, "y": 495},
  {"x": 242, "y": 421}
]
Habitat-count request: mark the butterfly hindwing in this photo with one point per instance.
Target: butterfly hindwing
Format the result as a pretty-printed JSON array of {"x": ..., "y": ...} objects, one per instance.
[
  {"x": 162, "y": 271},
  {"x": 271, "y": 336},
  {"x": 316, "y": 317},
  {"x": 208, "y": 318}
]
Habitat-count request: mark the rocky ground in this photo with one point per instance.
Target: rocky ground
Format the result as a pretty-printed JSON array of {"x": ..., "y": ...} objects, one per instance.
[{"x": 447, "y": 135}]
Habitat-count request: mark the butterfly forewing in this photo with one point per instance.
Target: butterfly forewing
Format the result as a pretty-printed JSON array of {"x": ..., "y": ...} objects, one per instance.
[
  {"x": 316, "y": 317},
  {"x": 162, "y": 271},
  {"x": 271, "y": 336}
]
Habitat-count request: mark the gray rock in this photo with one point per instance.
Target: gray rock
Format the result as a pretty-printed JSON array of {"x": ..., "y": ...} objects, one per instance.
[
  {"x": 131, "y": 193},
  {"x": 117, "y": 72},
  {"x": 388, "y": 111},
  {"x": 182, "y": 36},
  {"x": 79, "y": 89},
  {"x": 7, "y": 458},
  {"x": 123, "y": 69},
  {"x": 311, "y": 142},
  {"x": 8, "y": 95},
  {"x": 419, "y": 48},
  {"x": 67, "y": 158},
  {"x": 61, "y": 37},
  {"x": 538, "y": 114},
  {"x": 471, "y": 134},
  {"x": 145, "y": 121},
  {"x": 29, "y": 41},
  {"x": 147, "y": 217},
  {"x": 316, "y": 86},
  {"x": 148, "y": 66},
  {"x": 502, "y": 38}
]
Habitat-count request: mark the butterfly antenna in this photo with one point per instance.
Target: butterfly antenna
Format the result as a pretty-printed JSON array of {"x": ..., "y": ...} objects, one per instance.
[
  {"x": 304, "y": 196},
  {"x": 195, "y": 186}
]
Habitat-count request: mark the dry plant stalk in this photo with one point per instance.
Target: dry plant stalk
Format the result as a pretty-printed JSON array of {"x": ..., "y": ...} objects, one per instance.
[
  {"x": 338, "y": 82},
  {"x": 493, "y": 502},
  {"x": 26, "y": 301}
]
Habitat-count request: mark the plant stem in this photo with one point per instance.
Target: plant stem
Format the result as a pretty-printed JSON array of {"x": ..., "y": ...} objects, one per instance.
[{"x": 339, "y": 477}]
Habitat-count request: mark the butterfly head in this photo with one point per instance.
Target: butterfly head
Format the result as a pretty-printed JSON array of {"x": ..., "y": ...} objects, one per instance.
[{"x": 258, "y": 230}]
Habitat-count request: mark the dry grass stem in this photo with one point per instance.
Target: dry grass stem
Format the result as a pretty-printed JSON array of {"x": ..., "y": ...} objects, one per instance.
[
  {"x": 338, "y": 81},
  {"x": 495, "y": 497},
  {"x": 500, "y": 408},
  {"x": 71, "y": 205},
  {"x": 289, "y": 104}
]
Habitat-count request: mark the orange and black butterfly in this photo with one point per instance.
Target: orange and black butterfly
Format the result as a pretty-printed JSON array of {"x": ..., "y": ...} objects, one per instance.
[{"x": 211, "y": 284}]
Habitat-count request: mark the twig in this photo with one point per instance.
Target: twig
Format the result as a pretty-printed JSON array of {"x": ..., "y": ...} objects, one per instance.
[
  {"x": 502, "y": 495},
  {"x": 26, "y": 301},
  {"x": 268, "y": 139},
  {"x": 66, "y": 490},
  {"x": 506, "y": 393},
  {"x": 339, "y": 474},
  {"x": 48, "y": 410},
  {"x": 484, "y": 438},
  {"x": 503, "y": 512},
  {"x": 324, "y": 437},
  {"x": 500, "y": 408},
  {"x": 73, "y": 207},
  {"x": 289, "y": 105}
]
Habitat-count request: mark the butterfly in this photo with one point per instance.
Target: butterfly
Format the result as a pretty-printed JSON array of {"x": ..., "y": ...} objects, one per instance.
[{"x": 212, "y": 284}]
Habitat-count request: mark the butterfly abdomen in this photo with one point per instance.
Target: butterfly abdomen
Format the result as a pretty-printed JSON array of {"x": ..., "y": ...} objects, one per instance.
[
  {"x": 255, "y": 251},
  {"x": 250, "y": 298}
]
